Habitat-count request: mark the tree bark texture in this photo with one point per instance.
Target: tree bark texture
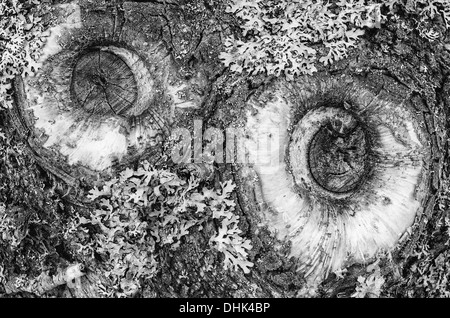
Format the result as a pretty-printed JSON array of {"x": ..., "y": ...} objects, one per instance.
[{"x": 96, "y": 110}]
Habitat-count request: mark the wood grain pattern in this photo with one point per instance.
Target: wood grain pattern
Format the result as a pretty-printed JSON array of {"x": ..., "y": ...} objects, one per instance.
[
  {"x": 337, "y": 156},
  {"x": 102, "y": 83}
]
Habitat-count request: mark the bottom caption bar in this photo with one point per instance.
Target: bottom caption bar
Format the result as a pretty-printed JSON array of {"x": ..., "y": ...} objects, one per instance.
[{"x": 225, "y": 307}]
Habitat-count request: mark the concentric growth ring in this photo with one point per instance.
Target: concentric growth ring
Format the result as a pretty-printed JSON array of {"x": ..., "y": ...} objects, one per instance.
[
  {"x": 102, "y": 83},
  {"x": 331, "y": 147}
]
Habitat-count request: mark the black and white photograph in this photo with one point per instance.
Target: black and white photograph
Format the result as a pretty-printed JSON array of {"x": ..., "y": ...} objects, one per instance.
[{"x": 237, "y": 150}]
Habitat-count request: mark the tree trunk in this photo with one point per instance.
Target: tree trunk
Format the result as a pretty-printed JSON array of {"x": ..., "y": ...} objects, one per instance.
[{"x": 117, "y": 78}]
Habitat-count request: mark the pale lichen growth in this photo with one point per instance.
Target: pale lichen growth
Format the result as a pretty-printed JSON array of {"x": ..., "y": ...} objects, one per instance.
[
  {"x": 22, "y": 35},
  {"x": 142, "y": 211},
  {"x": 290, "y": 38}
]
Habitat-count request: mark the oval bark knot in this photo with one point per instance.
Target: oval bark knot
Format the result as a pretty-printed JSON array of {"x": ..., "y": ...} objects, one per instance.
[
  {"x": 107, "y": 90},
  {"x": 345, "y": 174},
  {"x": 103, "y": 84}
]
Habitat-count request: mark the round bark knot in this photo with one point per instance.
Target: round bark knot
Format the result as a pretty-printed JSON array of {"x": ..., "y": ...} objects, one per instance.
[
  {"x": 103, "y": 84},
  {"x": 337, "y": 154}
]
